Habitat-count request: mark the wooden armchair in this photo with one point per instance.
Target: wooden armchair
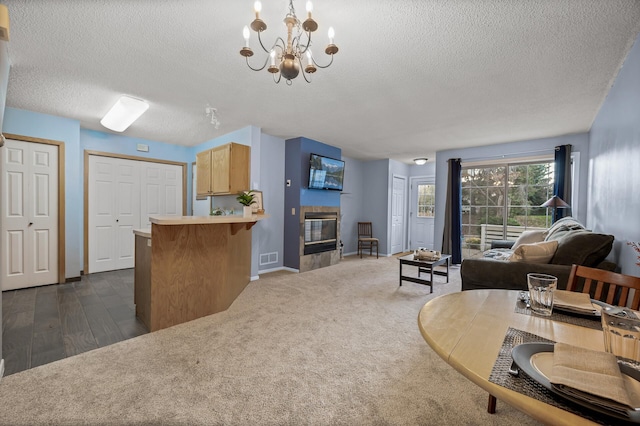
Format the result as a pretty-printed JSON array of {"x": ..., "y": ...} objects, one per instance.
[
  {"x": 365, "y": 238},
  {"x": 610, "y": 287}
]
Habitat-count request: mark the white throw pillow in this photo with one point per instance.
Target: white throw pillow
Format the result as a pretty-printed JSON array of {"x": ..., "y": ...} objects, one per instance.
[
  {"x": 530, "y": 237},
  {"x": 541, "y": 252}
]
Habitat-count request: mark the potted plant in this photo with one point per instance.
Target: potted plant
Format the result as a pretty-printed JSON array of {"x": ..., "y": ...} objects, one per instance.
[{"x": 246, "y": 198}]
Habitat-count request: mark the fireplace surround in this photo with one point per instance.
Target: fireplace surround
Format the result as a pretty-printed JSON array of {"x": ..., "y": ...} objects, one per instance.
[{"x": 319, "y": 237}]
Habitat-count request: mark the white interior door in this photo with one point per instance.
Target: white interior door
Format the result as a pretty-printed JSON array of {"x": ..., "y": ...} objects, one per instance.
[
  {"x": 422, "y": 214},
  {"x": 397, "y": 214},
  {"x": 161, "y": 191},
  {"x": 114, "y": 211},
  {"x": 122, "y": 195},
  {"x": 29, "y": 184}
]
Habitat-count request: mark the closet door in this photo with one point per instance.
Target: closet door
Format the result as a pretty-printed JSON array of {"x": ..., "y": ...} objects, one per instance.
[
  {"x": 122, "y": 195},
  {"x": 114, "y": 212},
  {"x": 29, "y": 182},
  {"x": 161, "y": 191}
]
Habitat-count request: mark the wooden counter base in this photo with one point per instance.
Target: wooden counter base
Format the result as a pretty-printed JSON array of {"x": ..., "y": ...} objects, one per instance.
[{"x": 195, "y": 270}]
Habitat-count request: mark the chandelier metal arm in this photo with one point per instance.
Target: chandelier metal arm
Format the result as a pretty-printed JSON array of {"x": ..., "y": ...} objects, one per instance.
[
  {"x": 322, "y": 66},
  {"x": 275, "y": 44},
  {"x": 257, "y": 69}
]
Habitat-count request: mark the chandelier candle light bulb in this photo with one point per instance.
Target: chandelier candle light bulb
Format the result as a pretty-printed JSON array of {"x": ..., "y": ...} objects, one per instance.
[
  {"x": 309, "y": 9},
  {"x": 257, "y": 7},
  {"x": 331, "y": 34},
  {"x": 246, "y": 34}
]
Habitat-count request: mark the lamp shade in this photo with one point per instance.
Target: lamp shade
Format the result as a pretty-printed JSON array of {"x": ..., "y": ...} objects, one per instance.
[
  {"x": 555, "y": 202},
  {"x": 123, "y": 113}
]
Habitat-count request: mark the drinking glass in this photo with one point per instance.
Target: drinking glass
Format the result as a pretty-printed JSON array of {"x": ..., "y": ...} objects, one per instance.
[
  {"x": 621, "y": 330},
  {"x": 541, "y": 289}
]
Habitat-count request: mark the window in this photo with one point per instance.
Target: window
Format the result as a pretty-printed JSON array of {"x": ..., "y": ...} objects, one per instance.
[
  {"x": 426, "y": 200},
  {"x": 500, "y": 202}
]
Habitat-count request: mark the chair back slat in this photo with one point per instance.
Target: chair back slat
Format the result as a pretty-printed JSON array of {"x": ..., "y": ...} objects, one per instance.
[
  {"x": 599, "y": 288},
  {"x": 365, "y": 229},
  {"x": 618, "y": 285}
]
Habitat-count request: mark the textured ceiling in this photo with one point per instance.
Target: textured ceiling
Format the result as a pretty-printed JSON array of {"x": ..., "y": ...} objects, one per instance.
[{"x": 412, "y": 77}]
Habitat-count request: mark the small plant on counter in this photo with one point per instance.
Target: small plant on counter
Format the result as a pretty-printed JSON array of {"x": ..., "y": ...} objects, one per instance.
[
  {"x": 216, "y": 212},
  {"x": 246, "y": 198}
]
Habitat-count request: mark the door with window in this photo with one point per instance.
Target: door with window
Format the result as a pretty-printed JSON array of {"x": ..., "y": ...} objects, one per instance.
[
  {"x": 500, "y": 202},
  {"x": 422, "y": 213}
]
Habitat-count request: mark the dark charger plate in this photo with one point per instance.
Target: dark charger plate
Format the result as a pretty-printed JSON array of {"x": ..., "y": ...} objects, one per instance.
[{"x": 522, "y": 356}]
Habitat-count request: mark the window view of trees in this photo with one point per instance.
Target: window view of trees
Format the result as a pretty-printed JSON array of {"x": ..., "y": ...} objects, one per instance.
[
  {"x": 426, "y": 200},
  {"x": 500, "y": 202}
]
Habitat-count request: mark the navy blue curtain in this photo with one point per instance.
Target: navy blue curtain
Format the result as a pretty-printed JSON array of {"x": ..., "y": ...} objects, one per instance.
[
  {"x": 452, "y": 236},
  {"x": 562, "y": 179}
]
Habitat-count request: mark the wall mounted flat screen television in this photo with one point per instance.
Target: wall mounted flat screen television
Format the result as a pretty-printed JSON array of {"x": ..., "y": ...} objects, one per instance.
[{"x": 325, "y": 173}]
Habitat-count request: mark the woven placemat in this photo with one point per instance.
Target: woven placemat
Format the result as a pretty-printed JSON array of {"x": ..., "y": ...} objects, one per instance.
[
  {"x": 593, "y": 322},
  {"x": 527, "y": 386}
]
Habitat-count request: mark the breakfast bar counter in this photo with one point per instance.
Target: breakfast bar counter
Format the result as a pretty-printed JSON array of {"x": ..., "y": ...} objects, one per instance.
[{"x": 191, "y": 266}]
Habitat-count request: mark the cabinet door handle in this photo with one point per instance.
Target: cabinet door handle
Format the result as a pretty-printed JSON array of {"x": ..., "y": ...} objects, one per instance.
[
  {"x": 117, "y": 220},
  {"x": 30, "y": 223}
]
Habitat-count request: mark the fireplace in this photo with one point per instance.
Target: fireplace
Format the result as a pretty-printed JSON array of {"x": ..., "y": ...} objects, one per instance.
[{"x": 320, "y": 232}]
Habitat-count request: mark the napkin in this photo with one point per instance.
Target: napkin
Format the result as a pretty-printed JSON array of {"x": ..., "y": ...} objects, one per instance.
[
  {"x": 593, "y": 376},
  {"x": 573, "y": 301}
]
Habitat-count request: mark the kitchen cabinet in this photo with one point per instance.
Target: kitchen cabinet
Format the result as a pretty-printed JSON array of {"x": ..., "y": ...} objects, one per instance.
[{"x": 223, "y": 170}]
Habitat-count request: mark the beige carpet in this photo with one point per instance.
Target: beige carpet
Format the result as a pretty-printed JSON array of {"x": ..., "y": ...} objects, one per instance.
[{"x": 338, "y": 345}]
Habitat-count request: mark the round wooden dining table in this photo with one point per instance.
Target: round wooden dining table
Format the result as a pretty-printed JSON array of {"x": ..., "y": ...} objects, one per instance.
[{"x": 467, "y": 330}]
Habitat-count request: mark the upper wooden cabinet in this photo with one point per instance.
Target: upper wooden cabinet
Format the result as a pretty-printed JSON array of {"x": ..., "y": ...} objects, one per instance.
[{"x": 223, "y": 170}]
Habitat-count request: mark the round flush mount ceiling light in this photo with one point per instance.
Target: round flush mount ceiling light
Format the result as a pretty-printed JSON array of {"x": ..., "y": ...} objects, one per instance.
[{"x": 420, "y": 161}]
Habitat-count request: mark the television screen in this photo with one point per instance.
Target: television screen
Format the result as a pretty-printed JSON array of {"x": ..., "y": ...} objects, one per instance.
[{"x": 325, "y": 173}]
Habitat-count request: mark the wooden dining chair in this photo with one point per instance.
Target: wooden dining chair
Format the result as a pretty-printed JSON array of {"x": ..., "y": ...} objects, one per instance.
[
  {"x": 610, "y": 287},
  {"x": 366, "y": 239}
]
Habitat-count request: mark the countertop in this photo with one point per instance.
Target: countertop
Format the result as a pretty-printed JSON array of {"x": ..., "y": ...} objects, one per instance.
[{"x": 204, "y": 220}]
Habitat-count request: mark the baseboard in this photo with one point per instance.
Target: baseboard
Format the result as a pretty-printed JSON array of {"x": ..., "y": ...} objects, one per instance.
[
  {"x": 255, "y": 278},
  {"x": 279, "y": 268},
  {"x": 1, "y": 368}
]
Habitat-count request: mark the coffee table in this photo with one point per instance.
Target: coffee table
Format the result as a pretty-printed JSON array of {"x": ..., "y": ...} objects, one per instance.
[{"x": 424, "y": 266}]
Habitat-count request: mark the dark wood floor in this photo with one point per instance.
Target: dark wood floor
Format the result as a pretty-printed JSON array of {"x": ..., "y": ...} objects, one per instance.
[{"x": 45, "y": 324}]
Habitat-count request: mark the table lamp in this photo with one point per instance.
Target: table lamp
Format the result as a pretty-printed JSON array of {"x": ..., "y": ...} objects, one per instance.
[{"x": 555, "y": 202}]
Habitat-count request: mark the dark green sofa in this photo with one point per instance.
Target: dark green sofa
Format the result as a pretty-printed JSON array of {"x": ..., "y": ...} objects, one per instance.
[{"x": 576, "y": 245}]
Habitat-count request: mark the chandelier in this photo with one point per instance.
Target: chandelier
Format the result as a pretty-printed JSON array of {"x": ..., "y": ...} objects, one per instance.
[{"x": 286, "y": 58}]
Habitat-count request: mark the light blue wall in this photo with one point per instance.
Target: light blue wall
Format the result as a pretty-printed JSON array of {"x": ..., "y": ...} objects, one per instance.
[
  {"x": 614, "y": 154},
  {"x": 375, "y": 206},
  {"x": 351, "y": 203},
  {"x": 271, "y": 230},
  {"x": 27, "y": 123},
  {"x": 579, "y": 142}
]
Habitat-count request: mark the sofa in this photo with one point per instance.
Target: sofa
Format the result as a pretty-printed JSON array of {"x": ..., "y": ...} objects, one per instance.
[{"x": 551, "y": 252}]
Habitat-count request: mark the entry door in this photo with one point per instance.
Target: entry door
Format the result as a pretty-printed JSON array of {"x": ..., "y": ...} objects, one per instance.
[
  {"x": 397, "y": 214},
  {"x": 29, "y": 184},
  {"x": 422, "y": 214},
  {"x": 114, "y": 211}
]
